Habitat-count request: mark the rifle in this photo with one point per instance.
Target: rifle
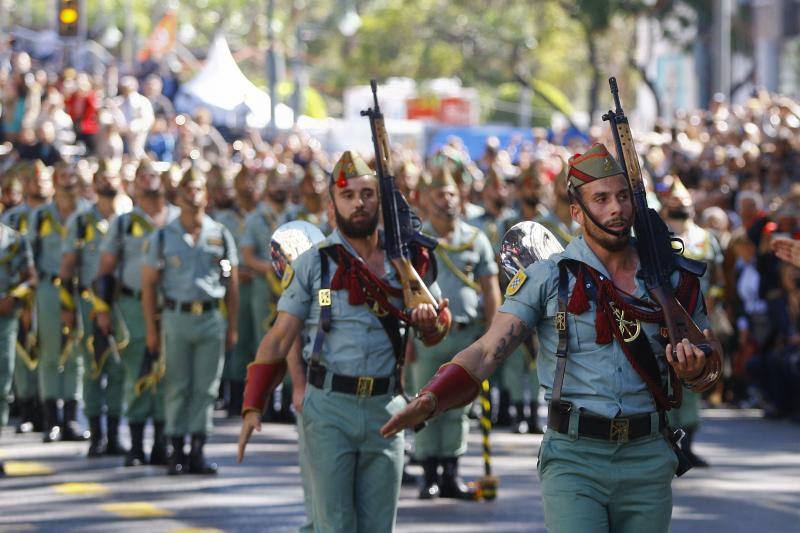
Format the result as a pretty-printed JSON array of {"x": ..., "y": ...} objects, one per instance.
[
  {"x": 659, "y": 259},
  {"x": 400, "y": 224}
]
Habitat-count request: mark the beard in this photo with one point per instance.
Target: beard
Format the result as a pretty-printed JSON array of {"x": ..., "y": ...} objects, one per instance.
[
  {"x": 678, "y": 214},
  {"x": 360, "y": 229},
  {"x": 530, "y": 201},
  {"x": 225, "y": 203},
  {"x": 609, "y": 242},
  {"x": 279, "y": 197},
  {"x": 107, "y": 192}
]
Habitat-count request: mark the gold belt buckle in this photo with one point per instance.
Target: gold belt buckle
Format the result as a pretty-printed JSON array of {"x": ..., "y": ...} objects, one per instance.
[
  {"x": 197, "y": 308},
  {"x": 364, "y": 387},
  {"x": 620, "y": 428}
]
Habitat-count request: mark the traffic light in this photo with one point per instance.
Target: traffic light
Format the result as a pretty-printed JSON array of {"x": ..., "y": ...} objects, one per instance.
[{"x": 69, "y": 16}]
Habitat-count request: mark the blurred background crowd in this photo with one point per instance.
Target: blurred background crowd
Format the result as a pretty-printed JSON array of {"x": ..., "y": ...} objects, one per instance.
[{"x": 730, "y": 170}]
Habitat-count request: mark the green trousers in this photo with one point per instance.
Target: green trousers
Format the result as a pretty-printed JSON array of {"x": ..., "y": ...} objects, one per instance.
[
  {"x": 242, "y": 354},
  {"x": 445, "y": 435},
  {"x": 194, "y": 346},
  {"x": 510, "y": 376},
  {"x": 150, "y": 403},
  {"x": 355, "y": 473},
  {"x": 55, "y": 381},
  {"x": 98, "y": 392},
  {"x": 688, "y": 415},
  {"x": 8, "y": 340},
  {"x": 26, "y": 381},
  {"x": 305, "y": 476},
  {"x": 601, "y": 486},
  {"x": 261, "y": 306}
]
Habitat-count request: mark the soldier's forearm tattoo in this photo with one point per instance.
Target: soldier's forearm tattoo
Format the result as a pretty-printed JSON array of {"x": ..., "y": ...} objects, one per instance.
[{"x": 508, "y": 342}]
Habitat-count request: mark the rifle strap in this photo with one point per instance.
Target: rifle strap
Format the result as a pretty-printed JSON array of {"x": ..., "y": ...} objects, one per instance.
[{"x": 563, "y": 346}]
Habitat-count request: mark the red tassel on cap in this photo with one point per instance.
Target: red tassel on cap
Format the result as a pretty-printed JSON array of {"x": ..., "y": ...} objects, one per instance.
[{"x": 341, "y": 182}]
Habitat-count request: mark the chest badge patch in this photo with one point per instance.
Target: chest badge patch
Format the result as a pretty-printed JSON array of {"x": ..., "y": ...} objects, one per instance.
[
  {"x": 630, "y": 329},
  {"x": 288, "y": 274},
  {"x": 516, "y": 282}
]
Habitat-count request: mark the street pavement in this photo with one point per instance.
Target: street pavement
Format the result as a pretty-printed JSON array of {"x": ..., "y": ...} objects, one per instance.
[{"x": 753, "y": 486}]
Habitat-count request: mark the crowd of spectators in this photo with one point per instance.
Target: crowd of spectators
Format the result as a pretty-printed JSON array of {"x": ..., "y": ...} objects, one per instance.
[{"x": 737, "y": 162}]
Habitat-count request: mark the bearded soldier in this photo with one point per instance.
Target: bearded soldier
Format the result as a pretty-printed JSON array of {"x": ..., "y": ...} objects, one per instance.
[
  {"x": 192, "y": 263},
  {"x": 119, "y": 285},
  {"x": 60, "y": 371},
  {"x": 38, "y": 187},
  {"x": 468, "y": 278},
  {"x": 604, "y": 463},
  {"x": 346, "y": 295},
  {"x": 79, "y": 267}
]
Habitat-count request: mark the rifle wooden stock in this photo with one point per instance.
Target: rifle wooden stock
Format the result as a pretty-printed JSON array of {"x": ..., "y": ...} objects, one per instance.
[
  {"x": 630, "y": 159},
  {"x": 414, "y": 290},
  {"x": 681, "y": 326}
]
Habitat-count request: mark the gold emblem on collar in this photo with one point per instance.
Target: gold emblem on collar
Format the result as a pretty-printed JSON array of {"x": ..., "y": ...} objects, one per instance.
[{"x": 516, "y": 282}]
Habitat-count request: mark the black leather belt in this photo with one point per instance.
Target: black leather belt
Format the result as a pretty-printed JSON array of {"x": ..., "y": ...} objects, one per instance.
[
  {"x": 197, "y": 307},
  {"x": 359, "y": 386},
  {"x": 127, "y": 291},
  {"x": 620, "y": 429}
]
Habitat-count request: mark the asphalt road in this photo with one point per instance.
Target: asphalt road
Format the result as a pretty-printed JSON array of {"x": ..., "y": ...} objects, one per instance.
[{"x": 753, "y": 486}]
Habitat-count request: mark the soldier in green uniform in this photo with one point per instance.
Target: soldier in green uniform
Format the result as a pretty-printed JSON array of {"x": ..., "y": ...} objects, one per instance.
[
  {"x": 314, "y": 197},
  {"x": 60, "y": 371},
  {"x": 339, "y": 298},
  {"x": 119, "y": 285},
  {"x": 234, "y": 200},
  {"x": 17, "y": 278},
  {"x": 38, "y": 187},
  {"x": 79, "y": 267},
  {"x": 497, "y": 219},
  {"x": 699, "y": 244},
  {"x": 192, "y": 262},
  {"x": 604, "y": 462},
  {"x": 273, "y": 210},
  {"x": 468, "y": 279},
  {"x": 11, "y": 193}
]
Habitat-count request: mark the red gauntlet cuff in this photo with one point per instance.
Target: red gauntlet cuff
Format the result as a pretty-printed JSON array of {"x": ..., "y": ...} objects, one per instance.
[
  {"x": 433, "y": 336},
  {"x": 452, "y": 386},
  {"x": 262, "y": 380}
]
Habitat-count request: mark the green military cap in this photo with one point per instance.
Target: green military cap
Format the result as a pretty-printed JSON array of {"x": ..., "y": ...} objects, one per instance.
[
  {"x": 350, "y": 165},
  {"x": 107, "y": 167},
  {"x": 145, "y": 165},
  {"x": 314, "y": 172},
  {"x": 532, "y": 172},
  {"x": 595, "y": 164},
  {"x": 11, "y": 182},
  {"x": 440, "y": 177},
  {"x": 494, "y": 175},
  {"x": 192, "y": 174}
]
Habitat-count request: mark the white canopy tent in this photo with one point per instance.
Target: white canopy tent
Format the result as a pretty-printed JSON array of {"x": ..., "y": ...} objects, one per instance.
[{"x": 233, "y": 100}]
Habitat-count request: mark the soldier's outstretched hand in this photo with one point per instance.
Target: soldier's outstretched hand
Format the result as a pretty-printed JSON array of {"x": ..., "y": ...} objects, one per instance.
[
  {"x": 411, "y": 416},
  {"x": 251, "y": 421}
]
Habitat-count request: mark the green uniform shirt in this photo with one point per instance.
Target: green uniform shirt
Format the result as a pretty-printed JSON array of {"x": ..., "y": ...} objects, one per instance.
[
  {"x": 258, "y": 228},
  {"x": 357, "y": 344},
  {"x": 18, "y": 218},
  {"x": 234, "y": 220},
  {"x": 127, "y": 236},
  {"x": 94, "y": 228},
  {"x": 191, "y": 271},
  {"x": 473, "y": 262},
  {"x": 47, "y": 232},
  {"x": 495, "y": 227},
  {"x": 598, "y": 378},
  {"x": 15, "y": 259}
]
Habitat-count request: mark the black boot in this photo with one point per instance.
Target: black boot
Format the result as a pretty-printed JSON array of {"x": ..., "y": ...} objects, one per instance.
[
  {"x": 114, "y": 447},
  {"x": 533, "y": 419},
  {"x": 285, "y": 415},
  {"x": 96, "y": 448},
  {"x": 519, "y": 424},
  {"x": 430, "y": 483},
  {"x": 502, "y": 416},
  {"x": 52, "y": 429},
  {"x": 686, "y": 447},
  {"x": 2, "y": 469},
  {"x": 197, "y": 460},
  {"x": 235, "y": 401},
  {"x": 177, "y": 459},
  {"x": 452, "y": 486},
  {"x": 135, "y": 456},
  {"x": 37, "y": 415},
  {"x": 158, "y": 453},
  {"x": 25, "y": 416},
  {"x": 72, "y": 431}
]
